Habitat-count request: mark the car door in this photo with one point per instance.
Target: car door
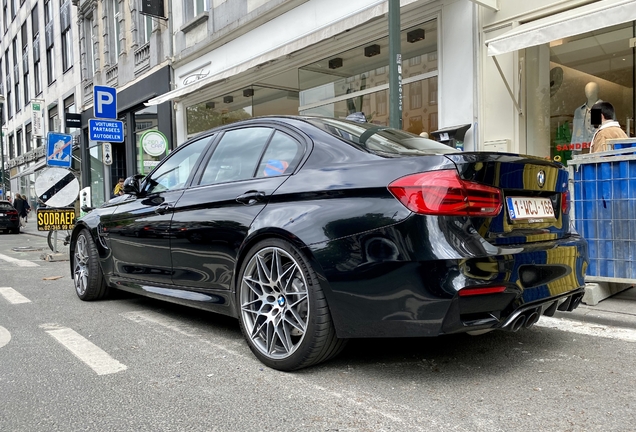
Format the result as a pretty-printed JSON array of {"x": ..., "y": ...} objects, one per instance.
[
  {"x": 212, "y": 220},
  {"x": 138, "y": 231}
]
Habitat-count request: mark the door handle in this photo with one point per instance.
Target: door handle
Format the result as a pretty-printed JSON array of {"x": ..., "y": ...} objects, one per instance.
[
  {"x": 163, "y": 208},
  {"x": 250, "y": 197}
]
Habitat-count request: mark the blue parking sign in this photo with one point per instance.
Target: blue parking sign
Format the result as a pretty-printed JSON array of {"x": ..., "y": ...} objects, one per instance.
[
  {"x": 59, "y": 149},
  {"x": 105, "y": 102}
]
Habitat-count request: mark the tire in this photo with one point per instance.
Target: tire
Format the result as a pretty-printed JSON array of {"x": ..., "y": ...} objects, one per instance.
[
  {"x": 283, "y": 312},
  {"x": 87, "y": 274},
  {"x": 61, "y": 236},
  {"x": 15, "y": 230}
]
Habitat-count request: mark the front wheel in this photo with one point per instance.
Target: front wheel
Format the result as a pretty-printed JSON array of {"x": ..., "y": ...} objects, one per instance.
[
  {"x": 87, "y": 274},
  {"x": 283, "y": 311}
]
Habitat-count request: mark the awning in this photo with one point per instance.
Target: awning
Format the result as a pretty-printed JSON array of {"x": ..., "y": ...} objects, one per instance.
[
  {"x": 377, "y": 9},
  {"x": 576, "y": 21}
]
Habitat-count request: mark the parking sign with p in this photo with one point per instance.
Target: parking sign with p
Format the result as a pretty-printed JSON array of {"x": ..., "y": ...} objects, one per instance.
[{"x": 105, "y": 102}]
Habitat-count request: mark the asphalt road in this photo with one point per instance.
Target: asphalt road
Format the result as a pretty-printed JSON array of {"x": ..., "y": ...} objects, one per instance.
[{"x": 135, "y": 364}]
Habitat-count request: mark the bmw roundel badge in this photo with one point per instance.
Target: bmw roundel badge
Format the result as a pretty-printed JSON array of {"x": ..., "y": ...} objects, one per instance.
[{"x": 541, "y": 178}]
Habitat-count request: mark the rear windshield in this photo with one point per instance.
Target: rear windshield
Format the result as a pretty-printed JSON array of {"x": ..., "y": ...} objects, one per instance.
[
  {"x": 381, "y": 139},
  {"x": 6, "y": 206}
]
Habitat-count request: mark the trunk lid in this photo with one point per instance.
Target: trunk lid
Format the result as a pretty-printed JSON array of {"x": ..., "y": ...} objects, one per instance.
[{"x": 534, "y": 196}]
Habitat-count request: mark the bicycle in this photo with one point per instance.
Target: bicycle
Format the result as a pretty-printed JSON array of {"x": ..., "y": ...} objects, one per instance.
[{"x": 52, "y": 240}]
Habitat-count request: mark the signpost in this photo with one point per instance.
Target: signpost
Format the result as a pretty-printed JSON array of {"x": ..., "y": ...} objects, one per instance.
[
  {"x": 58, "y": 150},
  {"x": 107, "y": 153}
]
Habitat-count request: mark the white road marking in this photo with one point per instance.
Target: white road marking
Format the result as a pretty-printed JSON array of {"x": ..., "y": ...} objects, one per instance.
[
  {"x": 95, "y": 357},
  {"x": 5, "y": 336},
  {"x": 589, "y": 329},
  {"x": 18, "y": 262},
  {"x": 149, "y": 317},
  {"x": 12, "y": 296}
]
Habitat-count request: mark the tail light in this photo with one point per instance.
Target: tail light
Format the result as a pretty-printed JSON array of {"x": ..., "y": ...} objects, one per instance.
[
  {"x": 473, "y": 291},
  {"x": 443, "y": 193},
  {"x": 565, "y": 202},
  {"x": 13, "y": 214}
]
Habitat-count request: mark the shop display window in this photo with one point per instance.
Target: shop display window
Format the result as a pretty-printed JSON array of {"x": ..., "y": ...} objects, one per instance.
[{"x": 566, "y": 77}]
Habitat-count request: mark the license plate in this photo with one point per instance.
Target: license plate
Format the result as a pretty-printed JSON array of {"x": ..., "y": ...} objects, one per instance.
[{"x": 529, "y": 208}]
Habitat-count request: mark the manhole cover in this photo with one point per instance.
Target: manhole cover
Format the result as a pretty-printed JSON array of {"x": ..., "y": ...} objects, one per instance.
[{"x": 26, "y": 249}]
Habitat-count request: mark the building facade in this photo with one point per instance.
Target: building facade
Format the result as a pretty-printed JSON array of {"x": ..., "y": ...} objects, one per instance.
[{"x": 39, "y": 78}]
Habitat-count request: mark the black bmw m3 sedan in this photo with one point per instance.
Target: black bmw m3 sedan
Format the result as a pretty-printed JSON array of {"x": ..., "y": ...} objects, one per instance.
[{"x": 312, "y": 231}]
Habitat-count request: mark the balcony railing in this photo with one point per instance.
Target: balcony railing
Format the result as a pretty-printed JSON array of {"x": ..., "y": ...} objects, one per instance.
[{"x": 142, "y": 58}]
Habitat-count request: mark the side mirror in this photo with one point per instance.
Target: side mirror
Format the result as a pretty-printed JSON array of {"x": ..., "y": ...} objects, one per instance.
[{"x": 132, "y": 185}]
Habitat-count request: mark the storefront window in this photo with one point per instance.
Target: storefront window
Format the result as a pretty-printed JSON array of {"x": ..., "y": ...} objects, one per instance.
[
  {"x": 566, "y": 77},
  {"x": 97, "y": 176},
  {"x": 240, "y": 105},
  {"x": 145, "y": 120},
  {"x": 363, "y": 73}
]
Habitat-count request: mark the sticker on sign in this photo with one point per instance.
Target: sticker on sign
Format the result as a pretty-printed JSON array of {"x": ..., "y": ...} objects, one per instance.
[{"x": 529, "y": 208}]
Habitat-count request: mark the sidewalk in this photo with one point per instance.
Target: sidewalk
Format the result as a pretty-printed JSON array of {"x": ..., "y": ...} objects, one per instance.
[
  {"x": 32, "y": 228},
  {"x": 618, "y": 310}
]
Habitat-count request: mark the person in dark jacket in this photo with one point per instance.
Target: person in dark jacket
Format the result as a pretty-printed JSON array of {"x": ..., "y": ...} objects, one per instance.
[{"x": 20, "y": 205}]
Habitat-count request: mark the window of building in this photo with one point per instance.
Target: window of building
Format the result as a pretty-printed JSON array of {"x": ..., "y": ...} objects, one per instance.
[
  {"x": 49, "y": 39},
  {"x": 432, "y": 91},
  {"x": 4, "y": 16},
  {"x": 145, "y": 27},
  {"x": 37, "y": 69},
  {"x": 11, "y": 147},
  {"x": 566, "y": 77},
  {"x": 90, "y": 41},
  {"x": 28, "y": 136},
  {"x": 54, "y": 120},
  {"x": 16, "y": 74},
  {"x": 9, "y": 98},
  {"x": 115, "y": 32},
  {"x": 25, "y": 62},
  {"x": 194, "y": 8},
  {"x": 14, "y": 9},
  {"x": 146, "y": 119},
  {"x": 18, "y": 141},
  {"x": 67, "y": 39}
]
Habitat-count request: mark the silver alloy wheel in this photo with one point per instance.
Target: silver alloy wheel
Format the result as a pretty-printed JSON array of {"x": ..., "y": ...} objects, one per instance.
[
  {"x": 274, "y": 302},
  {"x": 80, "y": 265}
]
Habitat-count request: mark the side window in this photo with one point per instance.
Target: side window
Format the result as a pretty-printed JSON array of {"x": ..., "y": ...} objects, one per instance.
[
  {"x": 236, "y": 156},
  {"x": 281, "y": 157},
  {"x": 174, "y": 172}
]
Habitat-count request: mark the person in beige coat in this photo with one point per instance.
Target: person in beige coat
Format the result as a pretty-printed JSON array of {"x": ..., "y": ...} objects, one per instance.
[{"x": 609, "y": 129}]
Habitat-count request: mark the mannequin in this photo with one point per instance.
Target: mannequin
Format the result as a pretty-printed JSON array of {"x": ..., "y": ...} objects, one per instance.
[{"x": 582, "y": 130}]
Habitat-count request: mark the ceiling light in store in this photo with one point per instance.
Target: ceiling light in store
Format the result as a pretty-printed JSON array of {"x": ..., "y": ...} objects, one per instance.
[
  {"x": 335, "y": 63},
  {"x": 415, "y": 35},
  {"x": 372, "y": 50},
  {"x": 248, "y": 92},
  {"x": 228, "y": 99},
  {"x": 209, "y": 105}
]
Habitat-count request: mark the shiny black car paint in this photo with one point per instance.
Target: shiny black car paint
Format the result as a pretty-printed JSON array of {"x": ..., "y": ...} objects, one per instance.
[{"x": 385, "y": 271}]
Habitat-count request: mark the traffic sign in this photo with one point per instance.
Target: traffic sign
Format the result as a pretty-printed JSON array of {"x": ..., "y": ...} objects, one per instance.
[
  {"x": 105, "y": 102},
  {"x": 105, "y": 130},
  {"x": 107, "y": 153},
  {"x": 56, "y": 187},
  {"x": 58, "y": 149}
]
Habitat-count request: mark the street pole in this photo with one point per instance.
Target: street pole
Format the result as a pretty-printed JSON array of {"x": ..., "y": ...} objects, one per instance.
[{"x": 395, "y": 66}]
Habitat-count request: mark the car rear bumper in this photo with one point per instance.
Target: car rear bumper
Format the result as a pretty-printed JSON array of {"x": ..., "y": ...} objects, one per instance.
[{"x": 402, "y": 297}]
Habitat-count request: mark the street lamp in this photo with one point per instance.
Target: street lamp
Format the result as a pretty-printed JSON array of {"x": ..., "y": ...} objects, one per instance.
[{"x": 2, "y": 174}]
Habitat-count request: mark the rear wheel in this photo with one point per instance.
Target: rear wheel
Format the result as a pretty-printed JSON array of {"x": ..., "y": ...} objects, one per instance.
[
  {"x": 15, "y": 230},
  {"x": 283, "y": 311},
  {"x": 87, "y": 275}
]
